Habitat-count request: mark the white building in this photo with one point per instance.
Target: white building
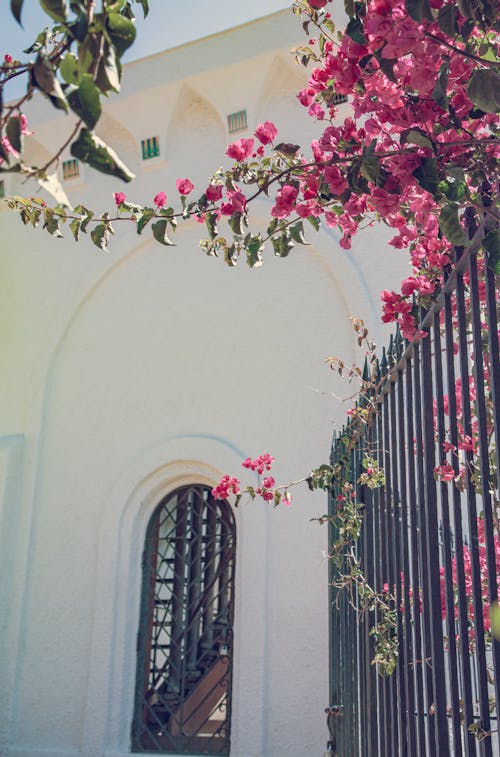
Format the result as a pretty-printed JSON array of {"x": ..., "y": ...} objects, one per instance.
[{"x": 129, "y": 375}]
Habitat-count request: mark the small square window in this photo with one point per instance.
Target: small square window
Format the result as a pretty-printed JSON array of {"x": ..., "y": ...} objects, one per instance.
[
  {"x": 338, "y": 99},
  {"x": 2, "y": 189},
  {"x": 150, "y": 147},
  {"x": 70, "y": 169},
  {"x": 237, "y": 121}
]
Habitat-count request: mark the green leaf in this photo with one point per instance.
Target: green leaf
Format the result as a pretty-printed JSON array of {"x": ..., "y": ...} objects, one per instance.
[
  {"x": 145, "y": 6},
  {"x": 69, "y": 68},
  {"x": 236, "y": 224},
  {"x": 16, "y": 7},
  {"x": 144, "y": 219},
  {"x": 439, "y": 93},
  {"x": 491, "y": 243},
  {"x": 495, "y": 620},
  {"x": 3, "y": 153},
  {"x": 254, "y": 247},
  {"x": 447, "y": 20},
  {"x": 100, "y": 236},
  {"x": 75, "y": 228},
  {"x": 419, "y": 9},
  {"x": 449, "y": 224},
  {"x": 45, "y": 79},
  {"x": 160, "y": 229},
  {"x": 354, "y": 30},
  {"x": 92, "y": 150},
  {"x": 13, "y": 130},
  {"x": 484, "y": 89},
  {"x": 85, "y": 101},
  {"x": 121, "y": 32},
  {"x": 349, "y": 7},
  {"x": 314, "y": 222},
  {"x": 56, "y": 9},
  {"x": 427, "y": 175},
  {"x": 454, "y": 190},
  {"x": 231, "y": 255},
  {"x": 282, "y": 245},
  {"x": 109, "y": 71},
  {"x": 297, "y": 233},
  {"x": 416, "y": 136},
  {"x": 211, "y": 223},
  {"x": 370, "y": 164},
  {"x": 80, "y": 28}
]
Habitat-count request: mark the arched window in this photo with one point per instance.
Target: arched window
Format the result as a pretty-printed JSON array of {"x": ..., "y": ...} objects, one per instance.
[{"x": 185, "y": 643}]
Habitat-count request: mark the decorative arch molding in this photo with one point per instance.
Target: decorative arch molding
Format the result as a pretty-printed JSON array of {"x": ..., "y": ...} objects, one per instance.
[
  {"x": 194, "y": 114},
  {"x": 280, "y": 86},
  {"x": 126, "y": 511},
  {"x": 120, "y": 139}
]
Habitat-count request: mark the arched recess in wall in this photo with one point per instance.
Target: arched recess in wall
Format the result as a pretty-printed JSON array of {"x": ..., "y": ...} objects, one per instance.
[
  {"x": 185, "y": 638},
  {"x": 196, "y": 128},
  {"x": 120, "y": 140},
  {"x": 282, "y": 82},
  {"x": 34, "y": 154}
]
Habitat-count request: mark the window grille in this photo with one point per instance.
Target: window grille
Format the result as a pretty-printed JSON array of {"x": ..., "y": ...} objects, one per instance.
[
  {"x": 70, "y": 169},
  {"x": 237, "y": 121},
  {"x": 338, "y": 99},
  {"x": 2, "y": 189},
  {"x": 150, "y": 148},
  {"x": 184, "y": 645}
]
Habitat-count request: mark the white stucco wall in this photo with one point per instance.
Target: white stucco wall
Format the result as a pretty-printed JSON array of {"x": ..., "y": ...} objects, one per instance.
[{"x": 127, "y": 374}]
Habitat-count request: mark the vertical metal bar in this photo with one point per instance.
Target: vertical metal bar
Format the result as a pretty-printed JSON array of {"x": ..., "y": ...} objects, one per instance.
[
  {"x": 381, "y": 579},
  {"x": 434, "y": 584},
  {"x": 423, "y": 548},
  {"x": 176, "y": 657},
  {"x": 194, "y": 579},
  {"x": 485, "y": 722},
  {"x": 463, "y": 623},
  {"x": 417, "y": 664},
  {"x": 391, "y": 577},
  {"x": 399, "y": 673},
  {"x": 447, "y": 545},
  {"x": 406, "y": 635},
  {"x": 208, "y": 614},
  {"x": 484, "y": 463}
]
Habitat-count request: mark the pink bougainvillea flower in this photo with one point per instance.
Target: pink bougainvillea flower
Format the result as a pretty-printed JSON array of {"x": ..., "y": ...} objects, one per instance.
[
  {"x": 119, "y": 197},
  {"x": 287, "y": 499},
  {"x": 23, "y": 122},
  {"x": 266, "y": 132},
  {"x": 285, "y": 201},
  {"x": 317, "y": 4},
  {"x": 8, "y": 147},
  {"x": 184, "y": 186},
  {"x": 160, "y": 199},
  {"x": 227, "y": 485},
  {"x": 7, "y": 58},
  {"x": 213, "y": 192},
  {"x": 241, "y": 149}
]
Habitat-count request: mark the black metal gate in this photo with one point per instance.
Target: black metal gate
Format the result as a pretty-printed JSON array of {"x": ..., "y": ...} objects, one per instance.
[{"x": 429, "y": 542}]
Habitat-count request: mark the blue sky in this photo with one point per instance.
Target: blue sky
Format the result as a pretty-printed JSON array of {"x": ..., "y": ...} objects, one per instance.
[{"x": 169, "y": 23}]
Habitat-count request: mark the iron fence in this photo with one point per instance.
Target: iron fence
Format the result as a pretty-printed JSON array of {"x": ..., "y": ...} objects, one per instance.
[{"x": 429, "y": 542}]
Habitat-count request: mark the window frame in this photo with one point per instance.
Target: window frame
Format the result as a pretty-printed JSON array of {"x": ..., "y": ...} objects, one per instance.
[{"x": 198, "y": 520}]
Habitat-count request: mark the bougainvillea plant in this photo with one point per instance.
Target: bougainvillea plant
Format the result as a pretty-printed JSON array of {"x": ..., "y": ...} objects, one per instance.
[
  {"x": 419, "y": 152},
  {"x": 420, "y": 147}
]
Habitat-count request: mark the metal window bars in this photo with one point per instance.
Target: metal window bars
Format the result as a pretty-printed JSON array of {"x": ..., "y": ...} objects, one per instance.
[
  {"x": 70, "y": 169},
  {"x": 184, "y": 647},
  {"x": 150, "y": 148},
  {"x": 237, "y": 121},
  {"x": 431, "y": 542}
]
